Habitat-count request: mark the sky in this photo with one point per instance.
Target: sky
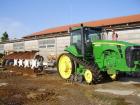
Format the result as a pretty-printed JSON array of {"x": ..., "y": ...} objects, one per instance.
[{"x": 23, "y": 17}]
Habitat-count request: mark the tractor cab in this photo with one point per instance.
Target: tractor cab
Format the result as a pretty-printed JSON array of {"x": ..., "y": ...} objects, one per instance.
[{"x": 83, "y": 37}]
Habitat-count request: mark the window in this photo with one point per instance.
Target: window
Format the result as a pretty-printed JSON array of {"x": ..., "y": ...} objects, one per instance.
[
  {"x": 44, "y": 43},
  {"x": 76, "y": 36},
  {"x": 50, "y": 41},
  {"x": 18, "y": 46},
  {"x": 1, "y": 47},
  {"x": 50, "y": 46},
  {"x": 92, "y": 35}
]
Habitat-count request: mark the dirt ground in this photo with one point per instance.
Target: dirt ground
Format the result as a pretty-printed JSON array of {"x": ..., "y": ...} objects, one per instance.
[{"x": 23, "y": 87}]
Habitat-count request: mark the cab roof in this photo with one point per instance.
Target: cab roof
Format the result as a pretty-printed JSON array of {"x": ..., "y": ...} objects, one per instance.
[{"x": 78, "y": 28}]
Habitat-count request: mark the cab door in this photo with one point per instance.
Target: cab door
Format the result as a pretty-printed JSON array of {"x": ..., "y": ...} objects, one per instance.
[{"x": 76, "y": 40}]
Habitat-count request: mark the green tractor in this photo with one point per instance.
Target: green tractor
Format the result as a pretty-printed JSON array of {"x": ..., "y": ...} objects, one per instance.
[{"x": 89, "y": 58}]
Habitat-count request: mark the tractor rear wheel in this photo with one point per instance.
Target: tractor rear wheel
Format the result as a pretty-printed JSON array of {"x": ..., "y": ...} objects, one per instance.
[{"x": 65, "y": 66}]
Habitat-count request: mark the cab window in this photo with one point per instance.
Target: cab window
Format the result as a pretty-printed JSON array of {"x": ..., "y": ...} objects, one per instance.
[
  {"x": 76, "y": 36},
  {"x": 92, "y": 35}
]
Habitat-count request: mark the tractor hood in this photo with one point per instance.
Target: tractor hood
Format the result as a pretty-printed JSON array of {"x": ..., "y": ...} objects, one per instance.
[
  {"x": 130, "y": 51},
  {"x": 110, "y": 42}
]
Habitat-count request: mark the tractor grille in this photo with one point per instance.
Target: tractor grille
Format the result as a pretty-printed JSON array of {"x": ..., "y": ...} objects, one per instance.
[{"x": 132, "y": 54}]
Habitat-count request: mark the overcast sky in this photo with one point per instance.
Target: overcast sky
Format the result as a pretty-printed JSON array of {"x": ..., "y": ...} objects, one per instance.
[{"x": 23, "y": 17}]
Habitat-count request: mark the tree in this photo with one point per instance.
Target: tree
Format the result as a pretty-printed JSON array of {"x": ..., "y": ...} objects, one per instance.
[{"x": 5, "y": 37}]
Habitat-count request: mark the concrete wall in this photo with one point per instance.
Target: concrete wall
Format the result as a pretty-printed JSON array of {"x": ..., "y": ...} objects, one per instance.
[
  {"x": 1, "y": 48},
  {"x": 42, "y": 46},
  {"x": 62, "y": 42},
  {"x": 18, "y": 46},
  {"x": 52, "y": 46},
  {"x": 132, "y": 36},
  {"x": 8, "y": 47},
  {"x": 31, "y": 45}
]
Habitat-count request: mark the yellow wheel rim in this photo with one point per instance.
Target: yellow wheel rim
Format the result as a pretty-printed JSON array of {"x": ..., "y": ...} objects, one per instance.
[
  {"x": 113, "y": 76},
  {"x": 88, "y": 76},
  {"x": 65, "y": 66}
]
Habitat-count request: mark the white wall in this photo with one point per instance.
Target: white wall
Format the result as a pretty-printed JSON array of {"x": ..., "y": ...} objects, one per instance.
[
  {"x": 47, "y": 47},
  {"x": 62, "y": 42},
  {"x": 1, "y": 48},
  {"x": 18, "y": 46},
  {"x": 8, "y": 47},
  {"x": 31, "y": 45},
  {"x": 132, "y": 36}
]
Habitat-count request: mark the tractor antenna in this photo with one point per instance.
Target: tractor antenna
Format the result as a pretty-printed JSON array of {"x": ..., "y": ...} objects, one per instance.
[
  {"x": 69, "y": 30},
  {"x": 82, "y": 25}
]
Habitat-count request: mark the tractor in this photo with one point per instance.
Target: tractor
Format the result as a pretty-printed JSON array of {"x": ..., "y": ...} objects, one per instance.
[{"x": 90, "y": 57}]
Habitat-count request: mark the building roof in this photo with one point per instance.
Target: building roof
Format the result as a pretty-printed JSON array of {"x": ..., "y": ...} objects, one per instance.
[{"x": 104, "y": 22}]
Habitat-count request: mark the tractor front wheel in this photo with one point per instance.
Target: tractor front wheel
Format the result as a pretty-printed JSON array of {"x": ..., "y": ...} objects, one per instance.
[
  {"x": 88, "y": 75},
  {"x": 113, "y": 76},
  {"x": 65, "y": 66}
]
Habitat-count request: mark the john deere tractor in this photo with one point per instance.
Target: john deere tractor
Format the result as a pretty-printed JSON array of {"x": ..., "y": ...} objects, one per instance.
[{"x": 89, "y": 57}]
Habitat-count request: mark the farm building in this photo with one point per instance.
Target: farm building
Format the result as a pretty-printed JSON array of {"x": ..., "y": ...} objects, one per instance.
[{"x": 51, "y": 42}]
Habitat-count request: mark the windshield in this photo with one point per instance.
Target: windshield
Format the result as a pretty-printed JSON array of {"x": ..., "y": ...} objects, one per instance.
[{"x": 93, "y": 34}]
